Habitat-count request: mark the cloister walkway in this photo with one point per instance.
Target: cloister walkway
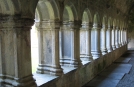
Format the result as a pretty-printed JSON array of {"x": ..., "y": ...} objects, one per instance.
[{"x": 119, "y": 74}]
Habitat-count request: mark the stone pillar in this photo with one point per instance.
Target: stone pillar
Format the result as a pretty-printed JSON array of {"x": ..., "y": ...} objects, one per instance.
[
  {"x": 123, "y": 36},
  {"x": 103, "y": 39},
  {"x": 48, "y": 40},
  {"x": 109, "y": 39},
  {"x": 95, "y": 41},
  {"x": 124, "y": 39},
  {"x": 116, "y": 37},
  {"x": 69, "y": 45},
  {"x": 113, "y": 37},
  {"x": 126, "y": 36},
  {"x": 85, "y": 41},
  {"x": 15, "y": 52},
  {"x": 120, "y": 37}
]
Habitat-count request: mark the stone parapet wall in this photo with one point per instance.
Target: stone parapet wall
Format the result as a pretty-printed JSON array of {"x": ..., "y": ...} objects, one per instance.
[{"x": 80, "y": 76}]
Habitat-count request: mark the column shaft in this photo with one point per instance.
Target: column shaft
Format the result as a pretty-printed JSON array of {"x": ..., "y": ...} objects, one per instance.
[
  {"x": 116, "y": 36},
  {"x": 103, "y": 40},
  {"x": 15, "y": 52},
  {"x": 95, "y": 41},
  {"x": 109, "y": 46},
  {"x": 113, "y": 38},
  {"x": 70, "y": 45},
  {"x": 85, "y": 42},
  {"x": 48, "y": 35},
  {"x": 120, "y": 37}
]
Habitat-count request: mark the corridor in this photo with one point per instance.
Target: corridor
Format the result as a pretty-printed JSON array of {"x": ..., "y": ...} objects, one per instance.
[{"x": 119, "y": 74}]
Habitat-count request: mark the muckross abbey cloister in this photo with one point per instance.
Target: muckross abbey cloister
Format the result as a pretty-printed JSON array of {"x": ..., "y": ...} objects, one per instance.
[{"x": 66, "y": 43}]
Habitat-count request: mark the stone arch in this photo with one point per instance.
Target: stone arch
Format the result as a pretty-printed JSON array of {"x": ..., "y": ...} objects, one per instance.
[
  {"x": 69, "y": 13},
  {"x": 96, "y": 18},
  {"x": 114, "y": 22},
  {"x": 87, "y": 16},
  {"x": 7, "y": 7},
  {"x": 47, "y": 10},
  {"x": 104, "y": 20},
  {"x": 121, "y": 24},
  {"x": 117, "y": 23},
  {"x": 103, "y": 35},
  {"x": 110, "y": 21},
  {"x": 46, "y": 17}
]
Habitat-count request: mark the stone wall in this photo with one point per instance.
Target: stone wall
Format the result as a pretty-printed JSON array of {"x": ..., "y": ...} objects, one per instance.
[{"x": 80, "y": 76}]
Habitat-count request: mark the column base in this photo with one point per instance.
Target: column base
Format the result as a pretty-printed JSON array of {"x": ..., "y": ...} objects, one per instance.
[
  {"x": 96, "y": 55},
  {"x": 104, "y": 51},
  {"x": 114, "y": 47},
  {"x": 70, "y": 63},
  {"x": 10, "y": 81},
  {"x": 56, "y": 71},
  {"x": 86, "y": 57},
  {"x": 47, "y": 69},
  {"x": 117, "y": 46},
  {"x": 110, "y": 50},
  {"x": 120, "y": 45}
]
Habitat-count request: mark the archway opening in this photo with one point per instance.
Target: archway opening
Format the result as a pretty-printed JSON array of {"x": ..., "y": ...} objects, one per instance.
[
  {"x": 85, "y": 36},
  {"x": 46, "y": 11}
]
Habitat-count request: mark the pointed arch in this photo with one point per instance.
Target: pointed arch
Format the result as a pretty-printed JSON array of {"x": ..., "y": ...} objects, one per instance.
[
  {"x": 117, "y": 23},
  {"x": 110, "y": 21},
  {"x": 47, "y": 10},
  {"x": 70, "y": 13},
  {"x": 114, "y": 22},
  {"x": 7, "y": 7},
  {"x": 96, "y": 18},
  {"x": 104, "y": 20},
  {"x": 87, "y": 16}
]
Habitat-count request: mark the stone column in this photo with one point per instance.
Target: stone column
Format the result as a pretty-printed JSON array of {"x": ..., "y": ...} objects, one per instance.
[
  {"x": 48, "y": 40},
  {"x": 126, "y": 36},
  {"x": 120, "y": 37},
  {"x": 15, "y": 52},
  {"x": 85, "y": 41},
  {"x": 123, "y": 36},
  {"x": 124, "y": 42},
  {"x": 95, "y": 41},
  {"x": 113, "y": 37},
  {"x": 109, "y": 39},
  {"x": 116, "y": 37},
  {"x": 69, "y": 45},
  {"x": 103, "y": 39}
]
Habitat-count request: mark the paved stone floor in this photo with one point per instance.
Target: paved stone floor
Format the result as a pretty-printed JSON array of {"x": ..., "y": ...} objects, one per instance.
[
  {"x": 128, "y": 79},
  {"x": 118, "y": 74}
]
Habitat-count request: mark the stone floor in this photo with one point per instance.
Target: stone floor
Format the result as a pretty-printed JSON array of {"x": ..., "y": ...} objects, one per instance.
[{"x": 119, "y": 74}]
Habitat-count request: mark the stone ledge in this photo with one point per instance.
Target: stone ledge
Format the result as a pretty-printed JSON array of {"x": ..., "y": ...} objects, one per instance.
[{"x": 77, "y": 77}]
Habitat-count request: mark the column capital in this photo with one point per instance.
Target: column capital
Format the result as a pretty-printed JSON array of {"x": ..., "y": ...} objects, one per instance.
[
  {"x": 104, "y": 27},
  {"x": 86, "y": 26},
  {"x": 48, "y": 25},
  {"x": 110, "y": 27},
  {"x": 96, "y": 26},
  {"x": 114, "y": 27},
  {"x": 71, "y": 25},
  {"x": 15, "y": 22}
]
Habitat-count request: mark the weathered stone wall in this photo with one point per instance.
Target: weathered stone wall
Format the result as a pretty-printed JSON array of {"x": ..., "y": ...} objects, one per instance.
[{"x": 79, "y": 77}]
